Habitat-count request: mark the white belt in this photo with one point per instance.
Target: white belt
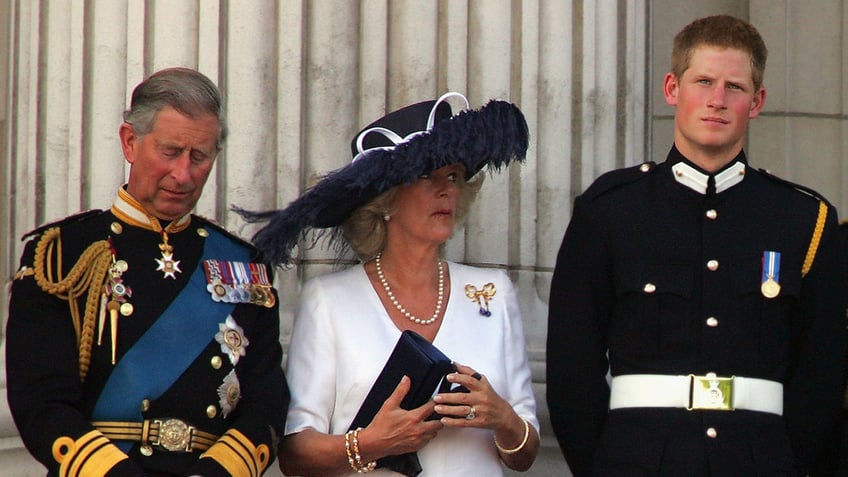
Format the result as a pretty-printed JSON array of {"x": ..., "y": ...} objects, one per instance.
[{"x": 697, "y": 392}]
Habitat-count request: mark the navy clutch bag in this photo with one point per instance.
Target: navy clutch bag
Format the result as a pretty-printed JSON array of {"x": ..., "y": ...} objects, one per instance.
[{"x": 426, "y": 367}]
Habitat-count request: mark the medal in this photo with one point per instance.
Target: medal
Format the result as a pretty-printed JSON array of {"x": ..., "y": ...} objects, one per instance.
[
  {"x": 229, "y": 393},
  {"x": 167, "y": 264},
  {"x": 114, "y": 302},
  {"x": 238, "y": 282},
  {"x": 232, "y": 339},
  {"x": 770, "y": 286},
  {"x": 270, "y": 301},
  {"x": 259, "y": 277},
  {"x": 216, "y": 282},
  {"x": 126, "y": 309},
  {"x": 262, "y": 295},
  {"x": 219, "y": 291}
]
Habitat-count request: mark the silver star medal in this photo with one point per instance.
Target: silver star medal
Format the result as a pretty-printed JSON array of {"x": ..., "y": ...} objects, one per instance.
[
  {"x": 232, "y": 339},
  {"x": 229, "y": 393}
]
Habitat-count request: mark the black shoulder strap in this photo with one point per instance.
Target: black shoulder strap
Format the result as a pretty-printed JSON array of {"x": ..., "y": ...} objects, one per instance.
[
  {"x": 617, "y": 178},
  {"x": 798, "y": 187},
  {"x": 58, "y": 223}
]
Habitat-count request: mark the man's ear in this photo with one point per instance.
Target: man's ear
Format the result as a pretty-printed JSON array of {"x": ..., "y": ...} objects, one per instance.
[
  {"x": 129, "y": 141},
  {"x": 757, "y": 103},
  {"x": 670, "y": 88}
]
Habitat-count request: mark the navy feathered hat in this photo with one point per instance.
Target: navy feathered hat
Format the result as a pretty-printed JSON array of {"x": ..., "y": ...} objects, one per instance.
[{"x": 396, "y": 149}]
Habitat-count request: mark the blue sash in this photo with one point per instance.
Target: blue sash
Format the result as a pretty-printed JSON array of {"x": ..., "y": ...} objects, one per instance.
[{"x": 168, "y": 347}]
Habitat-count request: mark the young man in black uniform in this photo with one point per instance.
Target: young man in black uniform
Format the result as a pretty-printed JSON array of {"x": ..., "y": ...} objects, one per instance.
[
  {"x": 143, "y": 340},
  {"x": 711, "y": 291}
]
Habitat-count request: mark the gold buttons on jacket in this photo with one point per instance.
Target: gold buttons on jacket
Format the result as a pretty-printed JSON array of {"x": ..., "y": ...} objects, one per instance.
[
  {"x": 202, "y": 232},
  {"x": 712, "y": 214},
  {"x": 145, "y": 405},
  {"x": 712, "y": 433},
  {"x": 215, "y": 362},
  {"x": 211, "y": 411},
  {"x": 712, "y": 322},
  {"x": 146, "y": 450},
  {"x": 712, "y": 265},
  {"x": 645, "y": 167},
  {"x": 649, "y": 288},
  {"x": 116, "y": 227}
]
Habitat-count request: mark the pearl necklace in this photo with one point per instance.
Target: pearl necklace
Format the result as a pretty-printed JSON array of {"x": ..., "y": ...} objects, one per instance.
[{"x": 410, "y": 316}]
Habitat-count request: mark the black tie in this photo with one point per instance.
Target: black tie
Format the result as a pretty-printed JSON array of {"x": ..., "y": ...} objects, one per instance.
[{"x": 711, "y": 190}]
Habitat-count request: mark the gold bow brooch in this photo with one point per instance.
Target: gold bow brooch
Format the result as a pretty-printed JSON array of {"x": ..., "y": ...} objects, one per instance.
[{"x": 481, "y": 297}]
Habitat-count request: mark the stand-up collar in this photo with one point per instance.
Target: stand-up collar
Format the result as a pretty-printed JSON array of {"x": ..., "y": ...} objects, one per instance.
[
  {"x": 130, "y": 211},
  {"x": 695, "y": 178}
]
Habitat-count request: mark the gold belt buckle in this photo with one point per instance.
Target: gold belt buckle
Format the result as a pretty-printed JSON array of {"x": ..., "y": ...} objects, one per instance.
[
  {"x": 174, "y": 435},
  {"x": 710, "y": 392}
]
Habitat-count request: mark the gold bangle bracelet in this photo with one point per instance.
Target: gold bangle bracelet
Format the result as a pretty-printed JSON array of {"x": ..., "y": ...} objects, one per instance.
[{"x": 523, "y": 441}]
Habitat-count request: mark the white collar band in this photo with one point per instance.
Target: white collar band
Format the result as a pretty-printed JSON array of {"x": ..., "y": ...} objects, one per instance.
[{"x": 697, "y": 180}]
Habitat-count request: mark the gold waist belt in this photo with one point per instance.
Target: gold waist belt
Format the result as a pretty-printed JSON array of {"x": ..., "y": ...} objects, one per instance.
[{"x": 172, "y": 435}]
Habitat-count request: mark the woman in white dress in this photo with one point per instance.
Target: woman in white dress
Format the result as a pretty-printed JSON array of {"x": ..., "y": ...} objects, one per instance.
[{"x": 395, "y": 205}]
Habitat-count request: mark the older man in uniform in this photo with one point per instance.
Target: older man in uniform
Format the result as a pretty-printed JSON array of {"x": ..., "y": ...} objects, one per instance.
[
  {"x": 712, "y": 293},
  {"x": 143, "y": 340}
]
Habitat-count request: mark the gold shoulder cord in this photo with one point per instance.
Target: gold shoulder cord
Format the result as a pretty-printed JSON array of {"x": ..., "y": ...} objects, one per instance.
[
  {"x": 814, "y": 242},
  {"x": 808, "y": 262},
  {"x": 87, "y": 275}
]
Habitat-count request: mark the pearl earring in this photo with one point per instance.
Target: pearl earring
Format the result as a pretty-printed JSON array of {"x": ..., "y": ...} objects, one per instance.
[{"x": 387, "y": 217}]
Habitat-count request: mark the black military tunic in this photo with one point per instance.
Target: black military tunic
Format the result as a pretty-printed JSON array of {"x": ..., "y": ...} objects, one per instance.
[
  {"x": 839, "y": 445},
  {"x": 52, "y": 408},
  {"x": 656, "y": 278}
]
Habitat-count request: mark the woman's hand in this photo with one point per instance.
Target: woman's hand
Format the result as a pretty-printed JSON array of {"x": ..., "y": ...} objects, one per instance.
[
  {"x": 482, "y": 407},
  {"x": 394, "y": 430}
]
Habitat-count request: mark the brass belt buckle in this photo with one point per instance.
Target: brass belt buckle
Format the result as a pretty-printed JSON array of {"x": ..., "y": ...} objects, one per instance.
[
  {"x": 174, "y": 435},
  {"x": 710, "y": 392}
]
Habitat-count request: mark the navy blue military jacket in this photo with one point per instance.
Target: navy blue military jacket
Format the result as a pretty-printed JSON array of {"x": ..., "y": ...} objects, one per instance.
[
  {"x": 704, "y": 312},
  {"x": 51, "y": 405}
]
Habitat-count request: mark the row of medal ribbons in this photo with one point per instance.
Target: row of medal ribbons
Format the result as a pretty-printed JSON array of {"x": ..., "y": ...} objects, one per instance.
[{"x": 238, "y": 282}]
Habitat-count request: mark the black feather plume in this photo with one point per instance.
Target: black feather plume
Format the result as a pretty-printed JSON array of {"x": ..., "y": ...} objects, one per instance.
[{"x": 490, "y": 137}]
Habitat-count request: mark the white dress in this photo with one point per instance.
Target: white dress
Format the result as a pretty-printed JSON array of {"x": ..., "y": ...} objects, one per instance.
[{"x": 343, "y": 336}]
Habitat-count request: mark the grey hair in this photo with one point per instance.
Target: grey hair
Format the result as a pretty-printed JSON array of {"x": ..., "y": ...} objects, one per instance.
[
  {"x": 184, "y": 89},
  {"x": 365, "y": 229}
]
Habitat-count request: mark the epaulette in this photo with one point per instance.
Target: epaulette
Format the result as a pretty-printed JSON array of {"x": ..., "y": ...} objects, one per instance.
[
  {"x": 617, "y": 178},
  {"x": 215, "y": 225},
  {"x": 236, "y": 238},
  {"x": 66, "y": 221},
  {"x": 805, "y": 190}
]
